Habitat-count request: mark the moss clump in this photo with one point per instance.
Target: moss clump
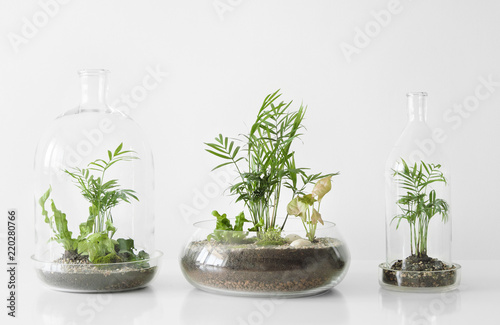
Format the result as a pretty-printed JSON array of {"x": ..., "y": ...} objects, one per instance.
[
  {"x": 271, "y": 237},
  {"x": 109, "y": 258}
]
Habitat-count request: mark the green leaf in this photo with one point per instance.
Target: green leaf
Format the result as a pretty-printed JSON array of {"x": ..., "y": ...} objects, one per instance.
[
  {"x": 218, "y": 154},
  {"x": 235, "y": 152},
  {"x": 108, "y": 243},
  {"x": 142, "y": 255},
  {"x": 97, "y": 165},
  {"x": 240, "y": 221},
  {"x": 87, "y": 227},
  {"x": 257, "y": 225},
  {"x": 216, "y": 147},
  {"x": 125, "y": 245},
  {"x": 118, "y": 149},
  {"x": 42, "y": 201},
  {"x": 222, "y": 165},
  {"x": 223, "y": 222},
  {"x": 63, "y": 235},
  {"x": 110, "y": 228},
  {"x": 83, "y": 247}
]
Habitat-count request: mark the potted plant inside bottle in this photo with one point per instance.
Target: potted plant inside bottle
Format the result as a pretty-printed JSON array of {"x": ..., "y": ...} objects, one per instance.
[
  {"x": 420, "y": 206},
  {"x": 95, "y": 260},
  {"x": 276, "y": 255}
]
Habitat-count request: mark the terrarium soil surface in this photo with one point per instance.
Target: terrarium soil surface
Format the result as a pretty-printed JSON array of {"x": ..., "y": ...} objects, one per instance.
[
  {"x": 419, "y": 272},
  {"x": 252, "y": 268},
  {"x": 80, "y": 275}
]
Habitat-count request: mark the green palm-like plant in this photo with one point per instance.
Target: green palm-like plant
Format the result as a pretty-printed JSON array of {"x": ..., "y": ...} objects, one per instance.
[
  {"x": 419, "y": 205},
  {"x": 102, "y": 195}
]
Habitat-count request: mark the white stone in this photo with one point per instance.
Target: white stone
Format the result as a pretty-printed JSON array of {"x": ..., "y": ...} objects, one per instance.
[
  {"x": 292, "y": 237},
  {"x": 301, "y": 243}
]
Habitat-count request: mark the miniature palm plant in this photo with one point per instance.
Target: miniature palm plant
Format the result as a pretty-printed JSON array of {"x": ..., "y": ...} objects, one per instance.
[
  {"x": 420, "y": 203},
  {"x": 95, "y": 241},
  {"x": 265, "y": 162}
]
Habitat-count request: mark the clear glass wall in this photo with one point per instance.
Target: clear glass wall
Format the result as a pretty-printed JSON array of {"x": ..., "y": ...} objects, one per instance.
[
  {"x": 94, "y": 166},
  {"x": 418, "y": 208}
]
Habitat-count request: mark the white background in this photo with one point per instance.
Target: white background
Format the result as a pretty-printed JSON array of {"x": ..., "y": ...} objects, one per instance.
[{"x": 217, "y": 66}]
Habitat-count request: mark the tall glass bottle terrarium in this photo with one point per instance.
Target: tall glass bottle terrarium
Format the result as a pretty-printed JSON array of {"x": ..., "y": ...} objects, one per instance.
[
  {"x": 94, "y": 220},
  {"x": 418, "y": 210}
]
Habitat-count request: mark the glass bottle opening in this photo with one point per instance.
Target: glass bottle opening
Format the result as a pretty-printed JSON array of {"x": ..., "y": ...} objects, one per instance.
[
  {"x": 418, "y": 93},
  {"x": 92, "y": 72},
  {"x": 94, "y": 86},
  {"x": 417, "y": 106}
]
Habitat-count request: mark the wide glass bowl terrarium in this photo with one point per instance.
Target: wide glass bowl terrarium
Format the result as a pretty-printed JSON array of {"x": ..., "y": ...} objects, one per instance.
[
  {"x": 94, "y": 220},
  {"x": 299, "y": 255},
  {"x": 418, "y": 213},
  {"x": 238, "y": 263}
]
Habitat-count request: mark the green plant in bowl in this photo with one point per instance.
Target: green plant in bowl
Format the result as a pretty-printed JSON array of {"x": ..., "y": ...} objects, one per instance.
[{"x": 269, "y": 257}]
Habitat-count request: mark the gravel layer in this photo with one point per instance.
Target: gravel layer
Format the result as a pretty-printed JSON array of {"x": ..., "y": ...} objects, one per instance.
[
  {"x": 252, "y": 268},
  {"x": 418, "y": 272},
  {"x": 82, "y": 276}
]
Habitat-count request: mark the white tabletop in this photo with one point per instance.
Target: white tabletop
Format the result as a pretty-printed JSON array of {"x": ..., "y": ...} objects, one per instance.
[{"x": 357, "y": 300}]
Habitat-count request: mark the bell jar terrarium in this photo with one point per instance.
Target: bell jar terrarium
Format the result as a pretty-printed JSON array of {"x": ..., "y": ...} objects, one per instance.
[
  {"x": 418, "y": 210},
  {"x": 94, "y": 220},
  {"x": 279, "y": 245}
]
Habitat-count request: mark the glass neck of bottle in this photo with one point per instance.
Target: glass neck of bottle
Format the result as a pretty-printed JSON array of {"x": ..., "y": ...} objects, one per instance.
[
  {"x": 94, "y": 85},
  {"x": 417, "y": 107}
]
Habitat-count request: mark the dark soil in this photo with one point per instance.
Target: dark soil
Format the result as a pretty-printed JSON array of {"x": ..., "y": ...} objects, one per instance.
[
  {"x": 76, "y": 273},
  {"x": 417, "y": 272},
  {"x": 251, "y": 268},
  {"x": 74, "y": 257}
]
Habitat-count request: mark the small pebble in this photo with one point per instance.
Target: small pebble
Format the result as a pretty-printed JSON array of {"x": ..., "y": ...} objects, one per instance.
[
  {"x": 301, "y": 243},
  {"x": 292, "y": 237}
]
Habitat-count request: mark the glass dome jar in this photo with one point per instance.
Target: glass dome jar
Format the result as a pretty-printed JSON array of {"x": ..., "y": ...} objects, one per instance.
[
  {"x": 239, "y": 266},
  {"x": 418, "y": 216},
  {"x": 94, "y": 218}
]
